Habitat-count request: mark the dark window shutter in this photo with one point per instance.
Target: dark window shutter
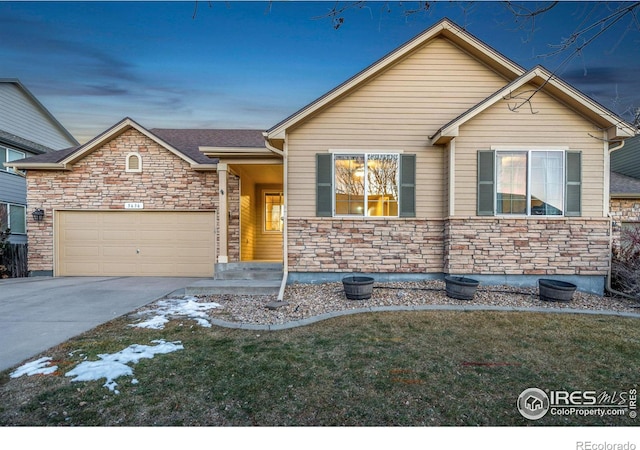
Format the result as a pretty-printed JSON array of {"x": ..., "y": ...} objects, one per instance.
[
  {"x": 573, "y": 185},
  {"x": 407, "y": 186},
  {"x": 486, "y": 175},
  {"x": 324, "y": 190}
]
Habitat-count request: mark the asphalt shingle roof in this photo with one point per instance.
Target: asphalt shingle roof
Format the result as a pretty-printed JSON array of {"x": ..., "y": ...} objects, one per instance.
[
  {"x": 23, "y": 144},
  {"x": 51, "y": 157},
  {"x": 189, "y": 141},
  {"x": 186, "y": 141},
  {"x": 622, "y": 184}
]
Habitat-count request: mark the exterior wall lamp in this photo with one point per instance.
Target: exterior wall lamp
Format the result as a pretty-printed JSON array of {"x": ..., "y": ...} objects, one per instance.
[{"x": 38, "y": 214}]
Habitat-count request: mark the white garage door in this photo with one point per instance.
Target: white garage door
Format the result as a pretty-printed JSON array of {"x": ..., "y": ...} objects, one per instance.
[{"x": 134, "y": 243}]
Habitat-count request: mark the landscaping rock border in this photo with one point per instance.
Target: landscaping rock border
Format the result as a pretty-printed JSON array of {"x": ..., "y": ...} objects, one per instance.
[{"x": 307, "y": 303}]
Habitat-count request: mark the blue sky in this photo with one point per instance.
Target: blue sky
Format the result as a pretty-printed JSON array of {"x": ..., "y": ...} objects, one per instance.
[{"x": 251, "y": 64}]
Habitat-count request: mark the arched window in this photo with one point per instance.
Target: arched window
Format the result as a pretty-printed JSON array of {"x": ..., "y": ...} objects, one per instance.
[{"x": 134, "y": 163}]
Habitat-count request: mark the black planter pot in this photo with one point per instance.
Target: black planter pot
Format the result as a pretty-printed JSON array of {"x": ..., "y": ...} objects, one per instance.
[
  {"x": 460, "y": 288},
  {"x": 555, "y": 290},
  {"x": 358, "y": 288}
]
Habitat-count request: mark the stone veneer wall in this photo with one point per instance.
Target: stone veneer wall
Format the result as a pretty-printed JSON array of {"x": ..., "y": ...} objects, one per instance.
[
  {"x": 504, "y": 246},
  {"x": 469, "y": 246},
  {"x": 233, "y": 238},
  {"x": 373, "y": 246},
  {"x": 99, "y": 182}
]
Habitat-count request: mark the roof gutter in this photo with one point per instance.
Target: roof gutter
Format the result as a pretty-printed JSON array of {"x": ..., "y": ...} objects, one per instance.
[
  {"x": 36, "y": 166},
  {"x": 618, "y": 147},
  {"x": 271, "y": 147}
]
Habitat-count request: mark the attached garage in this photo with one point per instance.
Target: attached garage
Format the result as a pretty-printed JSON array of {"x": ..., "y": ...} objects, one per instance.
[{"x": 134, "y": 243}]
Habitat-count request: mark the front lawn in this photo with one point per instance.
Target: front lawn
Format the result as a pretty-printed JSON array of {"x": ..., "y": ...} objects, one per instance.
[{"x": 378, "y": 369}]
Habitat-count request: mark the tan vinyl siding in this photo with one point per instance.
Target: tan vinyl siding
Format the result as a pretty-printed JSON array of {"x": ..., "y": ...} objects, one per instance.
[
  {"x": 396, "y": 111},
  {"x": 551, "y": 124},
  {"x": 247, "y": 219}
]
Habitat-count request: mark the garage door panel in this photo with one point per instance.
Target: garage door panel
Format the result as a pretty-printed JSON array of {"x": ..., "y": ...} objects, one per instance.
[
  {"x": 82, "y": 266},
  {"x": 83, "y": 234},
  {"x": 156, "y": 235},
  {"x": 117, "y": 268},
  {"x": 86, "y": 252},
  {"x": 157, "y": 252},
  {"x": 189, "y": 252},
  {"x": 118, "y": 235},
  {"x": 115, "y": 251},
  {"x": 118, "y": 218},
  {"x": 142, "y": 243}
]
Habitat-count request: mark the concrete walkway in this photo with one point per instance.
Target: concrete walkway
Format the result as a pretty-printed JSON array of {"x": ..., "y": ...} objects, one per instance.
[{"x": 41, "y": 312}]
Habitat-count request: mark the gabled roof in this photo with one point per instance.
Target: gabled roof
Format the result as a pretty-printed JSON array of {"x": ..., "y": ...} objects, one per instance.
[
  {"x": 444, "y": 28},
  {"x": 42, "y": 108},
  {"x": 550, "y": 83},
  {"x": 64, "y": 159}
]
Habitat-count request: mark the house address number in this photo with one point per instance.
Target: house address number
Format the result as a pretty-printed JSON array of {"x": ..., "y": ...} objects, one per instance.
[{"x": 134, "y": 206}]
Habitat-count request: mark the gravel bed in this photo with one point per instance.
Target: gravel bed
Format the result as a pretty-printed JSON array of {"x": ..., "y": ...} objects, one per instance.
[{"x": 309, "y": 300}]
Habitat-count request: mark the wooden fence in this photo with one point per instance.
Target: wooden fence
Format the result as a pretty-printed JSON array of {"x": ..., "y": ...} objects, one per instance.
[{"x": 14, "y": 260}]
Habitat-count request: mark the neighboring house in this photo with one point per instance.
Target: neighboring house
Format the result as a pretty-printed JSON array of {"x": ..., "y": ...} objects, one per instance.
[
  {"x": 625, "y": 187},
  {"x": 434, "y": 160},
  {"x": 26, "y": 129}
]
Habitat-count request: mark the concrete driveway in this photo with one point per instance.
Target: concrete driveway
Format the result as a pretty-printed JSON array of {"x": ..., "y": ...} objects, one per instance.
[{"x": 41, "y": 312}]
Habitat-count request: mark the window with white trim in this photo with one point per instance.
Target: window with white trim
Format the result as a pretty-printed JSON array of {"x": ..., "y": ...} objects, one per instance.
[
  {"x": 366, "y": 184},
  {"x": 8, "y": 155},
  {"x": 273, "y": 211},
  {"x": 354, "y": 184},
  {"x": 13, "y": 217},
  {"x": 529, "y": 182}
]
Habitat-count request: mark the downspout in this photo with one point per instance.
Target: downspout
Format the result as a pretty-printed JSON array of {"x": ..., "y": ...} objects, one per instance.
[
  {"x": 452, "y": 177},
  {"x": 607, "y": 175},
  {"x": 285, "y": 189}
]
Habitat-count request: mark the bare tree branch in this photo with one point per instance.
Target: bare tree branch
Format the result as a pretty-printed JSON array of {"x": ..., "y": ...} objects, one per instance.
[
  {"x": 589, "y": 30},
  {"x": 523, "y": 100}
]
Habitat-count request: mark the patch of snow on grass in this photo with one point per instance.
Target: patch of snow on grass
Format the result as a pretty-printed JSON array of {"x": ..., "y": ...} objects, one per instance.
[
  {"x": 38, "y": 367},
  {"x": 187, "y": 307},
  {"x": 112, "y": 366}
]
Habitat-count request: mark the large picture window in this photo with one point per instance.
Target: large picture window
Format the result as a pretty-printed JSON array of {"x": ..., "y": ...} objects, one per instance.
[
  {"x": 366, "y": 185},
  {"x": 531, "y": 183}
]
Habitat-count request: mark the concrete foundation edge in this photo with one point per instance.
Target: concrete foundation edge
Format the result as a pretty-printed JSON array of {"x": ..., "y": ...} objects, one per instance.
[{"x": 592, "y": 284}]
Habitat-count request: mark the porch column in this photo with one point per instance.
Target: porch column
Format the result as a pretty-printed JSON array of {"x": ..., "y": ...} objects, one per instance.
[{"x": 223, "y": 213}]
